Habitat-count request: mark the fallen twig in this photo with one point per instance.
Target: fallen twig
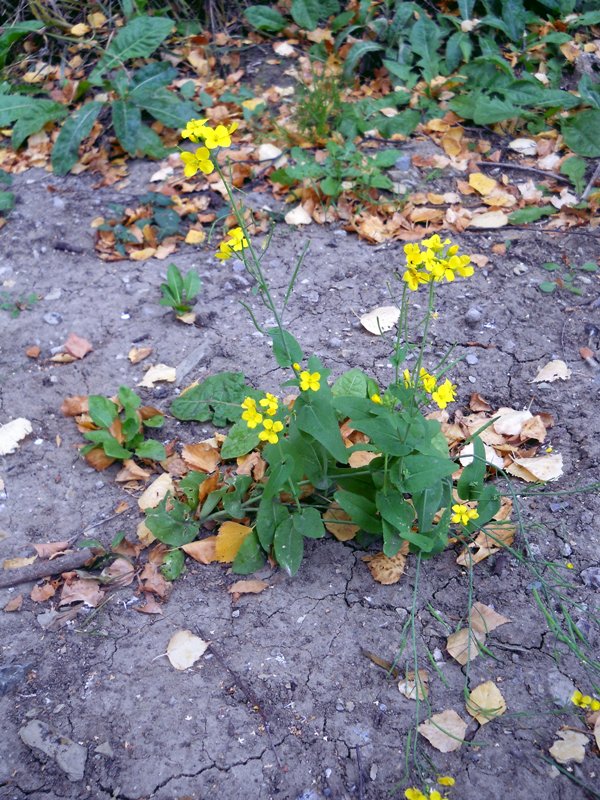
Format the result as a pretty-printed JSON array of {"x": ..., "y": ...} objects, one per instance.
[
  {"x": 43, "y": 569},
  {"x": 591, "y": 183},
  {"x": 524, "y": 168}
]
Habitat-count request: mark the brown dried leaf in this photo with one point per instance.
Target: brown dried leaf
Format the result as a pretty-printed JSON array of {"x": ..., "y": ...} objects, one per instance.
[
  {"x": 14, "y": 604},
  {"x": 137, "y": 354},
  {"x": 463, "y": 645},
  {"x": 201, "y": 456},
  {"x": 338, "y": 523},
  {"x": 159, "y": 372},
  {"x": 97, "y": 458},
  {"x": 539, "y": 468},
  {"x": 533, "y": 428},
  {"x": 444, "y": 731},
  {"x": 153, "y": 581},
  {"x": 570, "y": 746},
  {"x": 119, "y": 573},
  {"x": 42, "y": 592},
  {"x": 479, "y": 403},
  {"x": 77, "y": 346},
  {"x": 131, "y": 472},
  {"x": 156, "y": 492},
  {"x": 86, "y": 591},
  {"x": 486, "y": 702},
  {"x": 387, "y": 570},
  {"x": 49, "y": 549},
  {"x": 144, "y": 534},
  {"x": 203, "y": 551},
  {"x": 411, "y": 687},
  {"x": 33, "y": 351},
  {"x": 74, "y": 406},
  {"x": 150, "y": 606},
  {"x": 484, "y": 619},
  {"x": 487, "y": 542},
  {"x": 247, "y": 587}
]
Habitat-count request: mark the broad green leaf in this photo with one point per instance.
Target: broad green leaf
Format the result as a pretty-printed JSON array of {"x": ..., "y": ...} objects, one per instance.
[
  {"x": 470, "y": 483},
  {"x": 149, "y": 143},
  {"x": 12, "y": 106},
  {"x": 352, "y": 383},
  {"x": 264, "y": 18},
  {"x": 138, "y": 39},
  {"x": 102, "y": 410},
  {"x": 361, "y": 510},
  {"x": 547, "y": 287},
  {"x": 126, "y": 119},
  {"x": 306, "y": 13},
  {"x": 7, "y": 201},
  {"x": 165, "y": 106},
  {"x": 288, "y": 546},
  {"x": 574, "y": 168},
  {"x": 308, "y": 523},
  {"x": 173, "y": 564},
  {"x": 72, "y": 133},
  {"x": 355, "y": 55},
  {"x": 580, "y": 132},
  {"x": 240, "y": 440},
  {"x": 285, "y": 347},
  {"x": 218, "y": 398},
  {"x": 129, "y": 400},
  {"x": 423, "y": 472},
  {"x": 271, "y": 513},
  {"x": 154, "y": 76},
  {"x": 157, "y": 421},
  {"x": 398, "y": 516},
  {"x": 316, "y": 417},
  {"x": 171, "y": 522},
  {"x": 32, "y": 119},
  {"x": 12, "y": 33},
  {"x": 330, "y": 186},
  {"x": 250, "y": 557},
  {"x": 530, "y": 214},
  {"x": 151, "y": 449},
  {"x": 190, "y": 484},
  {"x": 589, "y": 90}
]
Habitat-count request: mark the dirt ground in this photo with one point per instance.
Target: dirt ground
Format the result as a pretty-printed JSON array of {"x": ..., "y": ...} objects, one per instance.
[{"x": 286, "y": 706}]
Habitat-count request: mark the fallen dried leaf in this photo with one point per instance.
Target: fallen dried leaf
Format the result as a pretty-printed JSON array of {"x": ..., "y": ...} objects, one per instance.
[
  {"x": 194, "y": 236},
  {"x": 120, "y": 573},
  {"x": 149, "y": 607},
  {"x": 14, "y": 604},
  {"x": 144, "y": 534},
  {"x": 338, "y": 523},
  {"x": 17, "y": 563},
  {"x": 510, "y": 422},
  {"x": 444, "y": 731},
  {"x": 411, "y": 687},
  {"x": 569, "y": 747},
  {"x": 538, "y": 468},
  {"x": 201, "y": 456},
  {"x": 33, "y": 351},
  {"x": 42, "y": 592},
  {"x": 156, "y": 492},
  {"x": 86, "y": 591},
  {"x": 481, "y": 183},
  {"x": 298, "y": 216},
  {"x": 203, "y": 550},
  {"x": 11, "y": 434},
  {"x": 77, "y": 346},
  {"x": 159, "y": 372},
  {"x": 74, "y": 406},
  {"x": 484, "y": 619},
  {"x": 247, "y": 587},
  {"x": 526, "y": 147},
  {"x": 137, "y": 354},
  {"x": 489, "y": 219},
  {"x": 387, "y": 570},
  {"x": 229, "y": 540},
  {"x": 463, "y": 645},
  {"x": 487, "y": 543},
  {"x": 131, "y": 472},
  {"x": 184, "y": 649},
  {"x": 267, "y": 152},
  {"x": 49, "y": 549},
  {"x": 486, "y": 702},
  {"x": 152, "y": 580},
  {"x": 380, "y": 319},
  {"x": 553, "y": 371}
]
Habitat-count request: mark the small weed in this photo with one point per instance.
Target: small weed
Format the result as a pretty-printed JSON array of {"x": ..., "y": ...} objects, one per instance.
[
  {"x": 565, "y": 277},
  {"x": 319, "y": 108},
  {"x": 15, "y": 305},
  {"x": 178, "y": 292},
  {"x": 120, "y": 427}
]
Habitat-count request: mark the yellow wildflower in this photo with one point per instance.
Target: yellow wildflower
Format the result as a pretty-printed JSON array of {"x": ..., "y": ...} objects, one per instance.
[
  {"x": 414, "y": 794},
  {"x": 585, "y": 701},
  {"x": 310, "y": 380},
  {"x": 194, "y": 130},
  {"x": 224, "y": 252},
  {"x": 463, "y": 514},
  {"x": 413, "y": 254},
  {"x": 461, "y": 264},
  {"x": 435, "y": 795},
  {"x": 251, "y": 416},
  {"x": 270, "y": 431},
  {"x": 569, "y": 565},
  {"x": 446, "y": 780},
  {"x": 270, "y": 403},
  {"x": 375, "y": 398},
  {"x": 200, "y": 160},
  {"x": 219, "y": 136},
  {"x": 427, "y": 380},
  {"x": 235, "y": 241},
  {"x": 444, "y": 394},
  {"x": 407, "y": 379},
  {"x": 435, "y": 243},
  {"x": 595, "y": 705},
  {"x": 414, "y": 278}
]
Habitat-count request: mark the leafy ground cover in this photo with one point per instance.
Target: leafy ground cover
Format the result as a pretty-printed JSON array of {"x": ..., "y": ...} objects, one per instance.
[{"x": 373, "y": 670}]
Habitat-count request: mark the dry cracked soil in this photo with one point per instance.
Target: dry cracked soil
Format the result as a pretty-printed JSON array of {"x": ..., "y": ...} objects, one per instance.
[{"x": 284, "y": 704}]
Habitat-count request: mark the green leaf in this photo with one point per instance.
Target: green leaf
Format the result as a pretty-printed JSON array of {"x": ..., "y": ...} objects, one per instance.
[
  {"x": 138, "y": 39},
  {"x": 306, "y": 13},
  {"x": 149, "y": 143},
  {"x": 191, "y": 284},
  {"x": 398, "y": 516},
  {"x": 12, "y": 106},
  {"x": 102, "y": 410},
  {"x": 171, "y": 522},
  {"x": 33, "y": 119},
  {"x": 422, "y": 472},
  {"x": 217, "y": 399},
  {"x": 7, "y": 201},
  {"x": 308, "y": 523},
  {"x": 271, "y": 513},
  {"x": 240, "y": 440},
  {"x": 129, "y": 400},
  {"x": 330, "y": 186},
  {"x": 151, "y": 449},
  {"x": 385, "y": 159},
  {"x": 352, "y": 383},
  {"x": 530, "y": 214},
  {"x": 580, "y": 133},
  {"x": 285, "y": 347},
  {"x": 14, "y": 32},
  {"x": 547, "y": 287},
  {"x": 154, "y": 76},
  {"x": 470, "y": 483},
  {"x": 264, "y": 18},
  {"x": 589, "y": 266},
  {"x": 157, "y": 421},
  {"x": 250, "y": 557},
  {"x": 361, "y": 510},
  {"x": 164, "y": 106},
  {"x": 355, "y": 55},
  {"x": 126, "y": 119},
  {"x": 288, "y": 546},
  {"x": 315, "y": 416},
  {"x": 574, "y": 168},
  {"x": 72, "y": 133},
  {"x": 427, "y": 503},
  {"x": 173, "y": 564}
]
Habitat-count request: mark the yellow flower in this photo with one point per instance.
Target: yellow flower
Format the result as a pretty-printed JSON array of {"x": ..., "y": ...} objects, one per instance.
[
  {"x": 435, "y": 243},
  {"x": 444, "y": 394},
  {"x": 595, "y": 705},
  {"x": 219, "y": 136},
  {"x": 296, "y": 366},
  {"x": 446, "y": 780},
  {"x": 407, "y": 379},
  {"x": 224, "y": 252},
  {"x": 569, "y": 565},
  {"x": 251, "y": 416},
  {"x": 414, "y": 794},
  {"x": 427, "y": 380},
  {"x": 413, "y": 254},
  {"x": 463, "y": 514},
  {"x": 194, "y": 130},
  {"x": 375, "y": 398},
  {"x": 200, "y": 160},
  {"x": 414, "y": 278},
  {"x": 310, "y": 380},
  {"x": 549, "y": 449},
  {"x": 441, "y": 269},
  {"x": 461, "y": 264},
  {"x": 270, "y": 403},
  {"x": 270, "y": 431},
  {"x": 435, "y": 795},
  {"x": 233, "y": 243}
]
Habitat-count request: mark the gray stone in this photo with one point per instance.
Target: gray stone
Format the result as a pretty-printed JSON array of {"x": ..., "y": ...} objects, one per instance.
[
  {"x": 566, "y": 549},
  {"x": 69, "y": 755},
  {"x": 471, "y": 359},
  {"x": 52, "y": 318},
  {"x": 105, "y": 749},
  {"x": 403, "y": 163},
  {"x": 11, "y": 675},
  {"x": 591, "y": 577},
  {"x": 473, "y": 316},
  {"x": 53, "y": 294},
  {"x": 560, "y": 688},
  {"x": 58, "y": 203}
]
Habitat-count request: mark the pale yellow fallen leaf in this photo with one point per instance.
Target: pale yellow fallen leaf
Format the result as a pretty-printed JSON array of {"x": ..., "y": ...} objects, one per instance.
[
  {"x": 509, "y": 421},
  {"x": 16, "y": 563},
  {"x": 444, "y": 731},
  {"x": 144, "y": 534},
  {"x": 486, "y": 702},
  {"x": 463, "y": 645},
  {"x": 283, "y": 49},
  {"x": 156, "y": 492},
  {"x": 410, "y": 687},
  {"x": 570, "y": 746},
  {"x": 229, "y": 540},
  {"x": 484, "y": 619},
  {"x": 194, "y": 236},
  {"x": 184, "y": 649},
  {"x": 489, "y": 219},
  {"x": 142, "y": 255},
  {"x": 380, "y": 319},
  {"x": 188, "y": 318},
  {"x": 526, "y": 147},
  {"x": 80, "y": 29},
  {"x": 96, "y": 19},
  {"x": 481, "y": 183},
  {"x": 538, "y": 468},
  {"x": 298, "y": 216},
  {"x": 252, "y": 586},
  {"x": 202, "y": 550},
  {"x": 269, "y": 152},
  {"x": 157, "y": 373},
  {"x": 11, "y": 434},
  {"x": 553, "y": 371}
]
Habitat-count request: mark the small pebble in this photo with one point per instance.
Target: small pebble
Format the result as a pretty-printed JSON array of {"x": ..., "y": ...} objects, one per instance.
[
  {"x": 566, "y": 549},
  {"x": 403, "y": 163},
  {"x": 335, "y": 342},
  {"x": 350, "y": 706},
  {"x": 471, "y": 359},
  {"x": 438, "y": 655},
  {"x": 58, "y": 202},
  {"x": 473, "y": 316},
  {"x": 235, "y": 614},
  {"x": 591, "y": 577},
  {"x": 472, "y": 379},
  {"x": 53, "y": 294},
  {"x": 520, "y": 269},
  {"x": 339, "y": 706},
  {"x": 52, "y": 318}
]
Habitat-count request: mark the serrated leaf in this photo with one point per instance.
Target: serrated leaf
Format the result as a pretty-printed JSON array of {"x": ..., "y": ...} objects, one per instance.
[
  {"x": 580, "y": 132},
  {"x": 34, "y": 117},
  {"x": 72, "y": 133},
  {"x": 138, "y": 39}
]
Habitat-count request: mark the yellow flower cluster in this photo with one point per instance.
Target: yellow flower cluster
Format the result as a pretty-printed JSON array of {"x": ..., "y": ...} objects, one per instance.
[
  {"x": 585, "y": 701},
  {"x": 234, "y": 242},
  {"x": 310, "y": 381},
  {"x": 441, "y": 395},
  {"x": 416, "y": 794},
  {"x": 463, "y": 514},
  {"x": 198, "y": 131},
  {"x": 253, "y": 417},
  {"x": 438, "y": 261}
]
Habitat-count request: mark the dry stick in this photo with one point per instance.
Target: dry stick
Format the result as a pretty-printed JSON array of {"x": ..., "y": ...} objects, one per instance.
[
  {"x": 250, "y": 696},
  {"x": 43, "y": 569},
  {"x": 590, "y": 185},
  {"x": 361, "y": 782},
  {"x": 524, "y": 168}
]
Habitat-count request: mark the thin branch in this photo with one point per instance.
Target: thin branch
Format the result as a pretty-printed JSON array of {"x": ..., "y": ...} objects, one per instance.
[
  {"x": 44, "y": 569},
  {"x": 592, "y": 182},
  {"x": 524, "y": 168}
]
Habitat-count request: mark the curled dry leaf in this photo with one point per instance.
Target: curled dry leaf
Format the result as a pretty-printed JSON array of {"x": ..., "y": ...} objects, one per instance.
[
  {"x": 387, "y": 570},
  {"x": 150, "y": 606},
  {"x": 42, "y": 592},
  {"x": 481, "y": 183},
  {"x": 97, "y": 458},
  {"x": 463, "y": 645},
  {"x": 119, "y": 573},
  {"x": 444, "y": 731},
  {"x": 533, "y": 428},
  {"x": 74, "y": 406},
  {"x": 486, "y": 702},
  {"x": 87, "y": 592},
  {"x": 153, "y": 581},
  {"x": 411, "y": 687},
  {"x": 268, "y": 152},
  {"x": 538, "y": 468},
  {"x": 49, "y": 549},
  {"x": 131, "y": 472},
  {"x": 14, "y": 604},
  {"x": 12, "y": 433},
  {"x": 201, "y": 456},
  {"x": 156, "y": 374},
  {"x": 570, "y": 746},
  {"x": 298, "y": 216},
  {"x": 203, "y": 551},
  {"x": 526, "y": 147},
  {"x": 144, "y": 534},
  {"x": 229, "y": 540},
  {"x": 338, "y": 523},
  {"x": 156, "y": 492},
  {"x": 553, "y": 371},
  {"x": 479, "y": 403},
  {"x": 489, "y": 219},
  {"x": 484, "y": 619},
  {"x": 380, "y": 319},
  {"x": 487, "y": 542},
  {"x": 137, "y": 354},
  {"x": 510, "y": 422},
  {"x": 77, "y": 346},
  {"x": 247, "y": 587},
  {"x": 184, "y": 649}
]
